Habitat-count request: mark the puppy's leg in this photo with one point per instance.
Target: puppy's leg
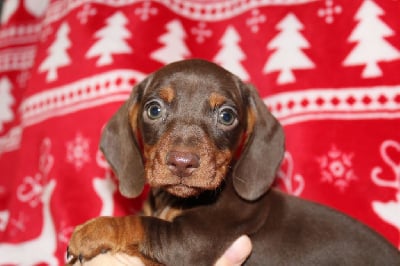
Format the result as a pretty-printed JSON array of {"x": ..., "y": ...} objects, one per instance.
[
  {"x": 108, "y": 259},
  {"x": 108, "y": 236}
]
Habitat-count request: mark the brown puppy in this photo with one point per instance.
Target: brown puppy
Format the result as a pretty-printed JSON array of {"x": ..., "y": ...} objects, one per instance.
[{"x": 209, "y": 149}]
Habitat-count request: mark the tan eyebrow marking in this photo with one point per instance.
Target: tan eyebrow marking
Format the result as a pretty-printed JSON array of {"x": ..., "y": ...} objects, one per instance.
[
  {"x": 133, "y": 113},
  {"x": 216, "y": 99},
  {"x": 251, "y": 121},
  {"x": 167, "y": 94}
]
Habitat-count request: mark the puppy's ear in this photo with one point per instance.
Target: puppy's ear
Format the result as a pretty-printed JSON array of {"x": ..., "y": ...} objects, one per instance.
[
  {"x": 120, "y": 148},
  {"x": 256, "y": 168}
]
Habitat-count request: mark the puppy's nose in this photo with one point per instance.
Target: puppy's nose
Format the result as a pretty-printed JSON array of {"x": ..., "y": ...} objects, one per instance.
[{"x": 182, "y": 163}]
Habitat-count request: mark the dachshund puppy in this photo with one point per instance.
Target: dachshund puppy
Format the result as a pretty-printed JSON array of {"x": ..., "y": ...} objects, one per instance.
[{"x": 208, "y": 147}]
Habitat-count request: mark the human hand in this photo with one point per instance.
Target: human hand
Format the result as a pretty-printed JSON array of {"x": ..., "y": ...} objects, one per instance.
[{"x": 237, "y": 253}]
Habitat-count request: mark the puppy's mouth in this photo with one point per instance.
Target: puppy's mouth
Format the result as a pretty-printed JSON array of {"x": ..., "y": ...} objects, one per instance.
[{"x": 183, "y": 191}]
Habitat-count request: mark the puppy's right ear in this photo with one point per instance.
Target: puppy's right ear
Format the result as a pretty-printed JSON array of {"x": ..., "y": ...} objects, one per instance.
[{"x": 120, "y": 148}]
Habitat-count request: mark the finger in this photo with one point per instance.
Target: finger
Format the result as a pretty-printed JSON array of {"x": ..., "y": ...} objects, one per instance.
[{"x": 237, "y": 253}]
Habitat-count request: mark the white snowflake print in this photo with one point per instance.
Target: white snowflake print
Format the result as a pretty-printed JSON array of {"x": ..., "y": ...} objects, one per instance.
[
  {"x": 329, "y": 11},
  {"x": 86, "y": 12},
  {"x": 337, "y": 168},
  {"x": 255, "y": 20},
  {"x": 201, "y": 32},
  {"x": 146, "y": 11},
  {"x": 78, "y": 151}
]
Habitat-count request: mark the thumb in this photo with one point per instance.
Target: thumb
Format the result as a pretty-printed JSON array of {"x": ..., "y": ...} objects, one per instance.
[{"x": 237, "y": 253}]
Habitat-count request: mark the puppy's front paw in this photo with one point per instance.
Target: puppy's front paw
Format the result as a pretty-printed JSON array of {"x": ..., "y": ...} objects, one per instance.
[{"x": 96, "y": 236}]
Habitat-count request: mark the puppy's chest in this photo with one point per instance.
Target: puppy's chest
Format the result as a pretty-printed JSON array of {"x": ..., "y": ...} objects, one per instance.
[{"x": 162, "y": 205}]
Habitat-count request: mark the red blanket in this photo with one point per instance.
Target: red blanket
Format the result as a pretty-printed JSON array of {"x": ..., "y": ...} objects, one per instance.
[{"x": 327, "y": 69}]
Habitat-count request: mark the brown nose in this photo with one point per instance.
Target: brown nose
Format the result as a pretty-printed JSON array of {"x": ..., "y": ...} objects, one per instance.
[{"x": 182, "y": 163}]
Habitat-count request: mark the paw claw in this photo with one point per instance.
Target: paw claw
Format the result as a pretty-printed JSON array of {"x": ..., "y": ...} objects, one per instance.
[
  {"x": 70, "y": 257},
  {"x": 80, "y": 258},
  {"x": 104, "y": 250}
]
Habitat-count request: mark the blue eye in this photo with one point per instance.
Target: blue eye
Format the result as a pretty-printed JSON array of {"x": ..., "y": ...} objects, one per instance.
[
  {"x": 154, "y": 110},
  {"x": 226, "y": 116}
]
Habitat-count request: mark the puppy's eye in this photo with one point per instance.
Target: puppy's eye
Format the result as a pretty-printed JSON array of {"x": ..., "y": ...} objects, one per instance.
[
  {"x": 154, "y": 110},
  {"x": 227, "y": 116}
]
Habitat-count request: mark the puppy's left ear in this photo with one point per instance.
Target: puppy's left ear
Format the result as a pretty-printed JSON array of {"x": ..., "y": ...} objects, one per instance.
[
  {"x": 255, "y": 170},
  {"x": 121, "y": 149}
]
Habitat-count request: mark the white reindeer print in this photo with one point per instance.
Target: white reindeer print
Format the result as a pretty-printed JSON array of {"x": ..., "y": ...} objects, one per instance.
[
  {"x": 388, "y": 211},
  {"x": 38, "y": 250},
  {"x": 104, "y": 187}
]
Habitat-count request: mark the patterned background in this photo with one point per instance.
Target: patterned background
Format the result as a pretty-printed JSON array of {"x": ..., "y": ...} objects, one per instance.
[{"x": 327, "y": 69}]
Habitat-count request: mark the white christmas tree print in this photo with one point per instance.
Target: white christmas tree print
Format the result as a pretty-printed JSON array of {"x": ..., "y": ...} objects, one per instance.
[
  {"x": 174, "y": 48},
  {"x": 288, "y": 54},
  {"x": 6, "y": 100},
  {"x": 112, "y": 40},
  {"x": 231, "y": 54},
  {"x": 57, "y": 54},
  {"x": 371, "y": 46}
]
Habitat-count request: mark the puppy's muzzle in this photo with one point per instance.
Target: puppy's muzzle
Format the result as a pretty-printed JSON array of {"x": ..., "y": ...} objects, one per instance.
[{"x": 182, "y": 163}]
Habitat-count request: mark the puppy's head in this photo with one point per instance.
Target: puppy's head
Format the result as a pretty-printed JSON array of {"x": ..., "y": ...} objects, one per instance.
[{"x": 182, "y": 127}]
